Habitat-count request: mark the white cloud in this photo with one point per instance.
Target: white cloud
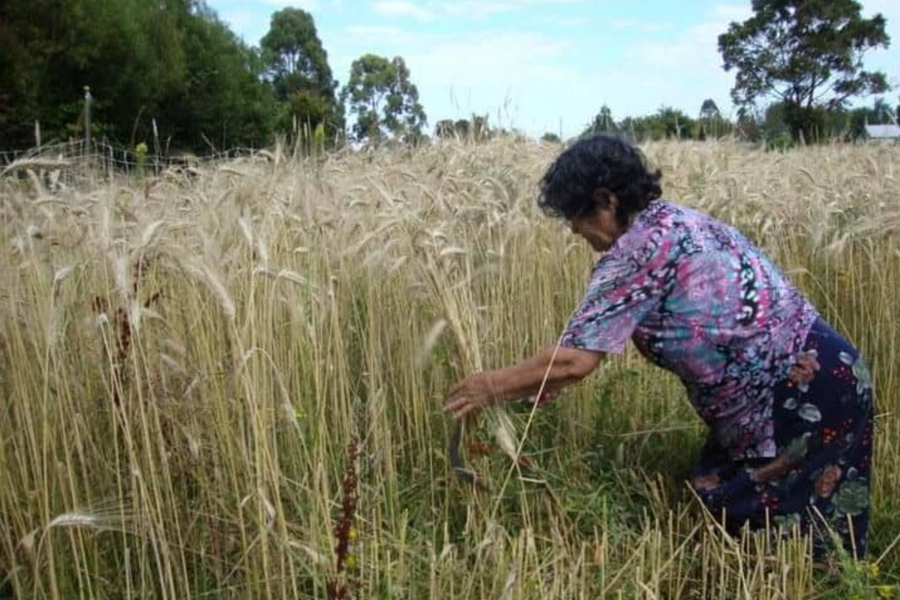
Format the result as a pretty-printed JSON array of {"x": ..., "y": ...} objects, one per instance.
[
  {"x": 486, "y": 8},
  {"x": 728, "y": 13},
  {"x": 523, "y": 58},
  {"x": 889, "y": 8},
  {"x": 304, "y": 4},
  {"x": 250, "y": 19},
  {"x": 499, "y": 55},
  {"x": 686, "y": 65},
  {"x": 248, "y": 24},
  {"x": 502, "y": 57},
  {"x": 885, "y": 60},
  {"x": 689, "y": 50},
  {"x": 678, "y": 67},
  {"x": 386, "y": 40},
  {"x": 506, "y": 74},
  {"x": 399, "y": 8},
  {"x": 640, "y": 25},
  {"x": 565, "y": 21},
  {"x": 476, "y": 8}
]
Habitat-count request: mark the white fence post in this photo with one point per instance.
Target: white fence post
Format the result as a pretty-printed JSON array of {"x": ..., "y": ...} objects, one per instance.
[{"x": 87, "y": 118}]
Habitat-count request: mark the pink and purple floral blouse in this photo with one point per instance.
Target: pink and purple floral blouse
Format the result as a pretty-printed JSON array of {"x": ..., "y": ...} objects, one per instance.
[{"x": 699, "y": 299}]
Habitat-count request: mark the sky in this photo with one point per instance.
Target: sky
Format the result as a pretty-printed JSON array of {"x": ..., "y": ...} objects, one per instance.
[{"x": 541, "y": 65}]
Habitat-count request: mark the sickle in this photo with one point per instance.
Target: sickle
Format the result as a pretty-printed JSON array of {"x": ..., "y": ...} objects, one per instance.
[
  {"x": 464, "y": 473},
  {"x": 469, "y": 475}
]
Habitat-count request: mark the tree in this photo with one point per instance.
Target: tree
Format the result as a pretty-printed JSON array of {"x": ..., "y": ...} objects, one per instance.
[
  {"x": 298, "y": 66},
  {"x": 675, "y": 123},
  {"x": 222, "y": 99},
  {"x": 805, "y": 53},
  {"x": 51, "y": 50},
  {"x": 748, "y": 124},
  {"x": 711, "y": 122},
  {"x": 478, "y": 128},
  {"x": 294, "y": 54},
  {"x": 880, "y": 113},
  {"x": 771, "y": 125},
  {"x": 666, "y": 123},
  {"x": 709, "y": 110},
  {"x": 445, "y": 129},
  {"x": 475, "y": 129},
  {"x": 603, "y": 122},
  {"x": 774, "y": 129},
  {"x": 385, "y": 101},
  {"x": 551, "y": 138},
  {"x": 169, "y": 60}
]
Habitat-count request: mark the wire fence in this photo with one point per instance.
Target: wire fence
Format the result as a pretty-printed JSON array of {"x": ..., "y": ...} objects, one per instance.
[
  {"x": 87, "y": 156},
  {"x": 79, "y": 163},
  {"x": 82, "y": 154}
]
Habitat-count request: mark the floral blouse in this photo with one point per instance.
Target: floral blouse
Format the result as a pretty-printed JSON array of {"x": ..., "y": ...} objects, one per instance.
[{"x": 699, "y": 299}]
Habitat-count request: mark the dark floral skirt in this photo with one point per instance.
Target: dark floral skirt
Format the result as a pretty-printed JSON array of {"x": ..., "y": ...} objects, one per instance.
[{"x": 819, "y": 480}]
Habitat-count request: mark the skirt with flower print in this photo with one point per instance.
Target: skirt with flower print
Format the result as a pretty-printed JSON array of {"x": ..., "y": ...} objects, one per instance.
[{"x": 819, "y": 480}]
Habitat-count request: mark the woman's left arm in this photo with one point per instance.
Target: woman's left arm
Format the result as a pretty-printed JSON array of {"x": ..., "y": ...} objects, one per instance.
[{"x": 568, "y": 366}]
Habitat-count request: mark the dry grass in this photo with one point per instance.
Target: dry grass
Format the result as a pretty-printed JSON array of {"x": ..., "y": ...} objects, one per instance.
[{"x": 183, "y": 363}]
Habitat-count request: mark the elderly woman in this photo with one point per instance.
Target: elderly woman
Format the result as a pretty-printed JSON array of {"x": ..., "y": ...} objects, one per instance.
[{"x": 787, "y": 399}]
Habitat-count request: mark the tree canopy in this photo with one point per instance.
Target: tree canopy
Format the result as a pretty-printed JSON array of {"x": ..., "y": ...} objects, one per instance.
[
  {"x": 169, "y": 60},
  {"x": 298, "y": 66},
  {"x": 603, "y": 122},
  {"x": 476, "y": 129},
  {"x": 384, "y": 100},
  {"x": 709, "y": 110},
  {"x": 175, "y": 64},
  {"x": 804, "y": 53}
]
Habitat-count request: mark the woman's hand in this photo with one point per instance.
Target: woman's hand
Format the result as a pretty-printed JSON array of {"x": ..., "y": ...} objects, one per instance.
[
  {"x": 549, "y": 370},
  {"x": 548, "y": 395},
  {"x": 469, "y": 395}
]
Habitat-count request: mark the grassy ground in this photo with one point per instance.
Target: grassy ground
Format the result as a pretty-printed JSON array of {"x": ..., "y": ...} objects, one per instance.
[{"x": 228, "y": 386}]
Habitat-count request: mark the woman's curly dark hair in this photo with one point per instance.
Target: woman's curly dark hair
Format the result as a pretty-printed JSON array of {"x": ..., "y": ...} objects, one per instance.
[{"x": 600, "y": 162}]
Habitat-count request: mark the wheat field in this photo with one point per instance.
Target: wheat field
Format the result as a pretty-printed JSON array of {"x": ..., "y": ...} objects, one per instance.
[{"x": 227, "y": 383}]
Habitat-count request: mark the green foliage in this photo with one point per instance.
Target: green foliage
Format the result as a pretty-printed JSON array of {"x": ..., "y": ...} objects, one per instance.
[
  {"x": 774, "y": 127},
  {"x": 319, "y": 139},
  {"x": 304, "y": 109},
  {"x": 667, "y": 123},
  {"x": 476, "y": 129},
  {"x": 445, "y": 128},
  {"x": 298, "y": 66},
  {"x": 710, "y": 110},
  {"x": 294, "y": 54},
  {"x": 771, "y": 126},
  {"x": 551, "y": 138},
  {"x": 603, "y": 122},
  {"x": 385, "y": 101},
  {"x": 674, "y": 123},
  {"x": 223, "y": 100},
  {"x": 51, "y": 50},
  {"x": 855, "y": 580},
  {"x": 879, "y": 113},
  {"x": 746, "y": 126},
  {"x": 710, "y": 123},
  {"x": 168, "y": 60},
  {"x": 140, "y": 154},
  {"x": 765, "y": 126},
  {"x": 806, "y": 53}
]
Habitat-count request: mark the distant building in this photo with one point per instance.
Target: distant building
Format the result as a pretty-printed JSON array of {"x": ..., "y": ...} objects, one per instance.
[{"x": 883, "y": 132}]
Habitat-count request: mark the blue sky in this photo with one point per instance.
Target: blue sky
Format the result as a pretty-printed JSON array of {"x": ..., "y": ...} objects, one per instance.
[{"x": 540, "y": 65}]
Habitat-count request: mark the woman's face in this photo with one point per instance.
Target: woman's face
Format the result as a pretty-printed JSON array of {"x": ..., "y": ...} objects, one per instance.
[{"x": 599, "y": 228}]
